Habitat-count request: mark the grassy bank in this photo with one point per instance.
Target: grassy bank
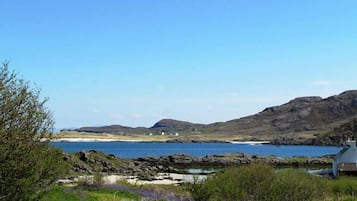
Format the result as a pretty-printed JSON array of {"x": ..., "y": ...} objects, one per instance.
[
  {"x": 86, "y": 194},
  {"x": 183, "y": 136},
  {"x": 158, "y": 138},
  {"x": 254, "y": 182},
  {"x": 107, "y": 136}
]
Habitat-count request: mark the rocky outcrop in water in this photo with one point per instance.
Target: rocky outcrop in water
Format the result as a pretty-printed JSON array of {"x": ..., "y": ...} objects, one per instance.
[
  {"x": 232, "y": 159},
  {"x": 91, "y": 162}
]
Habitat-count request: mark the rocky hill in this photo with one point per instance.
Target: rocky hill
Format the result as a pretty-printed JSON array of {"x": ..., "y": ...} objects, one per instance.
[
  {"x": 164, "y": 125},
  {"x": 339, "y": 135},
  {"x": 304, "y": 115},
  {"x": 171, "y": 125},
  {"x": 114, "y": 129}
]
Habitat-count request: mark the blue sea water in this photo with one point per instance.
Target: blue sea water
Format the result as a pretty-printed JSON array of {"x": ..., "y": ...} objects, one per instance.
[{"x": 141, "y": 149}]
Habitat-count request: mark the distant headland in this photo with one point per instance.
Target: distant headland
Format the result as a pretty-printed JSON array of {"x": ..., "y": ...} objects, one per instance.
[{"x": 304, "y": 120}]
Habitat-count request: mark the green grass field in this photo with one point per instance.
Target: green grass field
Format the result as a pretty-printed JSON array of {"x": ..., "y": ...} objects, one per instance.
[{"x": 83, "y": 194}]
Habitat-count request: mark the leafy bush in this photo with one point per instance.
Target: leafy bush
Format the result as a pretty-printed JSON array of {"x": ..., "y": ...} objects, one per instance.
[
  {"x": 240, "y": 183},
  {"x": 259, "y": 182},
  {"x": 98, "y": 179},
  {"x": 295, "y": 185},
  {"x": 243, "y": 183},
  {"x": 27, "y": 163},
  {"x": 343, "y": 186},
  {"x": 199, "y": 189}
]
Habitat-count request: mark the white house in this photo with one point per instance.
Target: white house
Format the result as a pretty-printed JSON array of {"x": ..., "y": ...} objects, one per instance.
[{"x": 346, "y": 159}]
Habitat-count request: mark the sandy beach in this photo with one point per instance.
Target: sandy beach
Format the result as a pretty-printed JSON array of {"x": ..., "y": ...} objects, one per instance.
[
  {"x": 250, "y": 142},
  {"x": 160, "y": 179},
  {"x": 94, "y": 140},
  {"x": 84, "y": 139}
]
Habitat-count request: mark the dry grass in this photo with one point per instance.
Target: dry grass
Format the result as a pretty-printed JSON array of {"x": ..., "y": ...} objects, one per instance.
[
  {"x": 183, "y": 136},
  {"x": 126, "y": 137},
  {"x": 142, "y": 137}
]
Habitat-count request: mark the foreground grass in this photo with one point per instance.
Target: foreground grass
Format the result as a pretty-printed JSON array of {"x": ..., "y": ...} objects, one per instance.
[
  {"x": 343, "y": 188},
  {"x": 83, "y": 194},
  {"x": 254, "y": 182},
  {"x": 234, "y": 184}
]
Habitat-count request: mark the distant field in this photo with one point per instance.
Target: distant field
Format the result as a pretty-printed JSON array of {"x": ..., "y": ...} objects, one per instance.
[
  {"x": 127, "y": 137},
  {"x": 181, "y": 137},
  {"x": 142, "y": 137}
]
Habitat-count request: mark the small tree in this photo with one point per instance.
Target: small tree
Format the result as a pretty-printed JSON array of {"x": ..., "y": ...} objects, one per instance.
[{"x": 28, "y": 163}]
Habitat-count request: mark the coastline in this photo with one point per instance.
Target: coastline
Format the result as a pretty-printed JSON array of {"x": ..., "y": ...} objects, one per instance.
[
  {"x": 72, "y": 136},
  {"x": 167, "y": 141},
  {"x": 95, "y": 140},
  {"x": 173, "y": 169},
  {"x": 250, "y": 142}
]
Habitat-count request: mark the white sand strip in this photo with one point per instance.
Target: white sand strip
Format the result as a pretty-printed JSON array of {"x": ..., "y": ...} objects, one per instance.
[
  {"x": 250, "y": 142},
  {"x": 93, "y": 140},
  {"x": 161, "y": 179}
]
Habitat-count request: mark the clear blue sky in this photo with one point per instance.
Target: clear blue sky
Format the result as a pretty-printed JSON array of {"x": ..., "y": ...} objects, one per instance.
[{"x": 134, "y": 62}]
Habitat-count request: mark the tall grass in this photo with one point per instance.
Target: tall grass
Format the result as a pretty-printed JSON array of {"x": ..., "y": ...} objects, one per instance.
[
  {"x": 344, "y": 188},
  {"x": 295, "y": 185}
]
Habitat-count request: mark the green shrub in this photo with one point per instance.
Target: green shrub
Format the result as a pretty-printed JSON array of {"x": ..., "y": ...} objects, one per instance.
[
  {"x": 295, "y": 185},
  {"x": 249, "y": 182},
  {"x": 98, "y": 179},
  {"x": 343, "y": 186},
  {"x": 28, "y": 163},
  {"x": 243, "y": 183},
  {"x": 259, "y": 182},
  {"x": 200, "y": 190},
  {"x": 225, "y": 187}
]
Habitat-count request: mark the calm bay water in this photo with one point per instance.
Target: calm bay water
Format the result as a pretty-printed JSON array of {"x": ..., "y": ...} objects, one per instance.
[{"x": 140, "y": 149}]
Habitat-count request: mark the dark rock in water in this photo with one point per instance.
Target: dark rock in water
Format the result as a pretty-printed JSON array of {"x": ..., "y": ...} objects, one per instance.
[{"x": 180, "y": 159}]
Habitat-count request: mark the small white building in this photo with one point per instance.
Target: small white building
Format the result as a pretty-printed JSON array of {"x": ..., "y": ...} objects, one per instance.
[{"x": 346, "y": 159}]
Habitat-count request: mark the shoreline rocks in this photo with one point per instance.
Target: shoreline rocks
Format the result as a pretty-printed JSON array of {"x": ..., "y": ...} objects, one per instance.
[
  {"x": 232, "y": 159},
  {"x": 147, "y": 168}
]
